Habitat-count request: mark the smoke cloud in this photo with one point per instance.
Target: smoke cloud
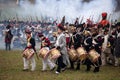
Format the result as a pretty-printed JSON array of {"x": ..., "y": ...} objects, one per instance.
[
  {"x": 56, "y": 9},
  {"x": 117, "y": 7}
]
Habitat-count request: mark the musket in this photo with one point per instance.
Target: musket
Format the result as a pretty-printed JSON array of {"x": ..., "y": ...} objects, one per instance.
[
  {"x": 37, "y": 19},
  {"x": 76, "y": 21},
  {"x": 63, "y": 21},
  {"x": 98, "y": 19},
  {"x": 109, "y": 33},
  {"x": 36, "y": 55},
  {"x": 31, "y": 18},
  {"x": 85, "y": 27},
  {"x": 17, "y": 17},
  {"x": 92, "y": 18},
  {"x": 26, "y": 18},
  {"x": 109, "y": 17},
  {"x": 81, "y": 19},
  {"x": 0, "y": 13}
]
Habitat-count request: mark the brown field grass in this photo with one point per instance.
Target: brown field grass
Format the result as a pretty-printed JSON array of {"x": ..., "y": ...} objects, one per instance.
[{"x": 11, "y": 66}]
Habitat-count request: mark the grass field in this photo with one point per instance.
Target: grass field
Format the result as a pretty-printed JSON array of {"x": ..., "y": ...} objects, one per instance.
[{"x": 11, "y": 66}]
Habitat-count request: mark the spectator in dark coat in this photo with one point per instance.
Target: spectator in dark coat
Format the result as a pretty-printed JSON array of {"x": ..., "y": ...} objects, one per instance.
[
  {"x": 117, "y": 47},
  {"x": 8, "y": 39}
]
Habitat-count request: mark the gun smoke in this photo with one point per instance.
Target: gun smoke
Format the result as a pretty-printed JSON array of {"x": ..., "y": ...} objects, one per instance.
[{"x": 56, "y": 9}]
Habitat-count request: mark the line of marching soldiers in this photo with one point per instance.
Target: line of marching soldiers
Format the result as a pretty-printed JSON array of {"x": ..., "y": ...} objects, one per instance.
[
  {"x": 81, "y": 45},
  {"x": 89, "y": 48}
]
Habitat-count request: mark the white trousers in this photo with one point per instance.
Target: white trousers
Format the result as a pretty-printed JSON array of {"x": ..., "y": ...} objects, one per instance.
[
  {"x": 26, "y": 63},
  {"x": 48, "y": 62},
  {"x": 103, "y": 58},
  {"x": 117, "y": 61},
  {"x": 107, "y": 58}
]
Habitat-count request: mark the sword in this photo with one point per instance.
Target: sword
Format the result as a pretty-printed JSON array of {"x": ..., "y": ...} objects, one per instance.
[{"x": 37, "y": 56}]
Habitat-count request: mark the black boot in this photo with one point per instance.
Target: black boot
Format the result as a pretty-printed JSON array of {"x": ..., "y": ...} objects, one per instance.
[
  {"x": 78, "y": 65},
  {"x": 88, "y": 64},
  {"x": 96, "y": 69},
  {"x": 88, "y": 68},
  {"x": 71, "y": 64}
]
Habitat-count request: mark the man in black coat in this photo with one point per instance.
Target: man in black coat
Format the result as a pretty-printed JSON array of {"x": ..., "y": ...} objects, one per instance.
[
  {"x": 75, "y": 42},
  {"x": 117, "y": 46},
  {"x": 93, "y": 42},
  {"x": 8, "y": 38}
]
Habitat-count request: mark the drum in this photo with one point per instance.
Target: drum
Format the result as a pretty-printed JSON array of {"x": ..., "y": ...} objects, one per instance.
[
  {"x": 93, "y": 55},
  {"x": 27, "y": 53},
  {"x": 54, "y": 53},
  {"x": 43, "y": 52},
  {"x": 73, "y": 54},
  {"x": 81, "y": 53}
]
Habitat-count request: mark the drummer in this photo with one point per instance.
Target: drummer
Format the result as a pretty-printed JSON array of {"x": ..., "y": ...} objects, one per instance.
[
  {"x": 90, "y": 43},
  {"x": 30, "y": 45},
  {"x": 75, "y": 42},
  {"x": 97, "y": 45},
  {"x": 45, "y": 43},
  {"x": 63, "y": 60}
]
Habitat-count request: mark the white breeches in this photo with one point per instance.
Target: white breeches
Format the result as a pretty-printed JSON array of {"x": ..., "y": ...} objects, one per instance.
[
  {"x": 26, "y": 63},
  {"x": 48, "y": 62},
  {"x": 117, "y": 61}
]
